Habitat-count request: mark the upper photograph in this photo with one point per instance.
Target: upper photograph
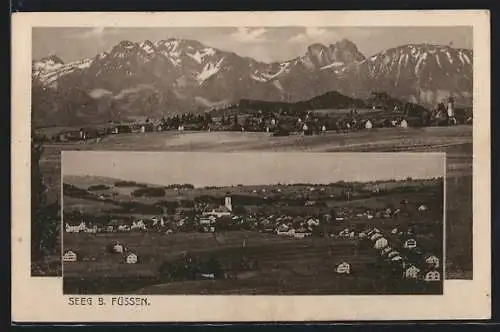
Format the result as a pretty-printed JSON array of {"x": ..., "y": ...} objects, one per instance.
[{"x": 229, "y": 89}]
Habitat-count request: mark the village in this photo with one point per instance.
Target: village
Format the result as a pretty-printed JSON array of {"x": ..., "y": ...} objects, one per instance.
[
  {"x": 399, "y": 237},
  {"x": 278, "y": 120}
]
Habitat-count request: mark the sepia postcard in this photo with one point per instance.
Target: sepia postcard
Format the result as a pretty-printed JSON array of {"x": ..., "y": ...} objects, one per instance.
[{"x": 299, "y": 163}]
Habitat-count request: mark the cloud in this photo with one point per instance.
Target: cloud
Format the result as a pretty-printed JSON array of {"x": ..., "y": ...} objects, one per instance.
[
  {"x": 89, "y": 33},
  {"x": 95, "y": 32},
  {"x": 313, "y": 34},
  {"x": 248, "y": 35}
]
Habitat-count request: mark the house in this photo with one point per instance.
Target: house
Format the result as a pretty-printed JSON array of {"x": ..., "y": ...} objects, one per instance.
[
  {"x": 222, "y": 211},
  {"x": 422, "y": 208},
  {"x": 380, "y": 243},
  {"x": 386, "y": 250},
  {"x": 411, "y": 272},
  {"x": 432, "y": 261},
  {"x": 118, "y": 248},
  {"x": 343, "y": 268},
  {"x": 131, "y": 258},
  {"x": 396, "y": 258},
  {"x": 92, "y": 229},
  {"x": 375, "y": 236},
  {"x": 76, "y": 228},
  {"x": 313, "y": 222},
  {"x": 392, "y": 254},
  {"x": 289, "y": 232},
  {"x": 70, "y": 256},
  {"x": 121, "y": 129},
  {"x": 432, "y": 276},
  {"x": 124, "y": 228},
  {"x": 207, "y": 220},
  {"x": 373, "y": 231},
  {"x": 139, "y": 224},
  {"x": 410, "y": 244}
]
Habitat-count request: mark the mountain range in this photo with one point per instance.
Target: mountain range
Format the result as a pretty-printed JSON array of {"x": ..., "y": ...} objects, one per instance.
[{"x": 136, "y": 79}]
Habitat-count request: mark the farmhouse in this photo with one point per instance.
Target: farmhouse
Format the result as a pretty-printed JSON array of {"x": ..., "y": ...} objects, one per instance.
[
  {"x": 432, "y": 276},
  {"x": 422, "y": 208},
  {"x": 131, "y": 258},
  {"x": 411, "y": 272},
  {"x": 118, "y": 248},
  {"x": 432, "y": 261},
  {"x": 386, "y": 250},
  {"x": 343, "y": 268},
  {"x": 380, "y": 243},
  {"x": 121, "y": 129},
  {"x": 92, "y": 229},
  {"x": 396, "y": 258},
  {"x": 75, "y": 228},
  {"x": 70, "y": 256},
  {"x": 139, "y": 224},
  {"x": 124, "y": 228},
  {"x": 219, "y": 212},
  {"x": 393, "y": 254},
  {"x": 207, "y": 220},
  {"x": 410, "y": 244},
  {"x": 376, "y": 236}
]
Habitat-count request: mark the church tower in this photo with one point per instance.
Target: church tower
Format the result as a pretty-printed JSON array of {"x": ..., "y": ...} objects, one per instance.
[
  {"x": 228, "y": 203},
  {"x": 451, "y": 107}
]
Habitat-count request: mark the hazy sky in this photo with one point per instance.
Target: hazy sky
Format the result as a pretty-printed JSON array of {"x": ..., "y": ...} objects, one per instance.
[
  {"x": 265, "y": 44},
  {"x": 221, "y": 169}
]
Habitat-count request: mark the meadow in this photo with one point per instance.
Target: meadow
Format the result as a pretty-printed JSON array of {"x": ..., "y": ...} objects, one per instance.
[{"x": 286, "y": 266}]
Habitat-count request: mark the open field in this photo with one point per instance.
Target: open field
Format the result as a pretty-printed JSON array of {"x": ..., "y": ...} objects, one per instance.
[
  {"x": 286, "y": 266},
  {"x": 456, "y": 141}
]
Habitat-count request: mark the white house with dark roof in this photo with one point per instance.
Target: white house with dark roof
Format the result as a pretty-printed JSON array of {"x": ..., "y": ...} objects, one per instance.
[
  {"x": 411, "y": 272},
  {"x": 410, "y": 244},
  {"x": 432, "y": 261},
  {"x": 432, "y": 276},
  {"x": 70, "y": 256},
  {"x": 381, "y": 243},
  {"x": 131, "y": 258},
  {"x": 343, "y": 268}
]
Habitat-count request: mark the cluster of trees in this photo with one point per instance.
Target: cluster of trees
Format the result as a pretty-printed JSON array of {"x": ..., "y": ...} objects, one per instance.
[
  {"x": 97, "y": 187},
  {"x": 180, "y": 186},
  {"x": 202, "y": 120},
  {"x": 129, "y": 184},
  {"x": 74, "y": 191}
]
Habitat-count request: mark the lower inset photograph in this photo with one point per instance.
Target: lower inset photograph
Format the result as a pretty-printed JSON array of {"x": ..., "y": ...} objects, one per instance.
[{"x": 198, "y": 223}]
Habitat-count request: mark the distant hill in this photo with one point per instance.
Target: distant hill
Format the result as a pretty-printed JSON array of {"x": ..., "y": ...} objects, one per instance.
[{"x": 331, "y": 100}]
